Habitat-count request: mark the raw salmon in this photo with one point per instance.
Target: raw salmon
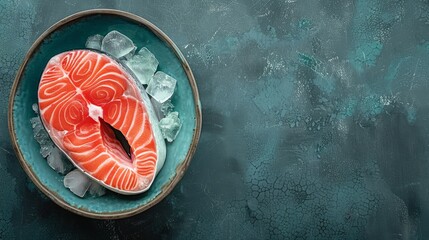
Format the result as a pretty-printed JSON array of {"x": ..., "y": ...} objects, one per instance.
[{"x": 82, "y": 96}]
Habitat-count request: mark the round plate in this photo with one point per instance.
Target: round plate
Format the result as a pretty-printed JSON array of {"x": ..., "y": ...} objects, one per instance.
[{"x": 71, "y": 33}]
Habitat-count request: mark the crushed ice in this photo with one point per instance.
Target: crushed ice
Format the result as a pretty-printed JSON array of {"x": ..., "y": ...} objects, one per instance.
[
  {"x": 48, "y": 150},
  {"x": 35, "y": 108},
  {"x": 167, "y": 107},
  {"x": 170, "y": 126},
  {"x": 59, "y": 162},
  {"x": 96, "y": 189}
]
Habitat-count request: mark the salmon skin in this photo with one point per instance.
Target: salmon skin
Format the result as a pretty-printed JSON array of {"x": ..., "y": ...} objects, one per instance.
[{"x": 82, "y": 96}]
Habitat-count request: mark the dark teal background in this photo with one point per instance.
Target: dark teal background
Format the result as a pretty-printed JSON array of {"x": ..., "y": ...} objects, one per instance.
[{"x": 315, "y": 120}]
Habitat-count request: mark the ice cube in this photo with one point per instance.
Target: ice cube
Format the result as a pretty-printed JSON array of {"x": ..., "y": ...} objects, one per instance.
[
  {"x": 117, "y": 44},
  {"x": 35, "y": 121},
  {"x": 77, "y": 182},
  {"x": 39, "y": 131},
  {"x": 96, "y": 189},
  {"x": 41, "y": 136},
  {"x": 36, "y": 124},
  {"x": 46, "y": 149},
  {"x": 129, "y": 55},
  {"x": 35, "y": 108},
  {"x": 143, "y": 65},
  {"x": 162, "y": 109},
  {"x": 57, "y": 161},
  {"x": 55, "y": 157},
  {"x": 94, "y": 42},
  {"x": 167, "y": 107},
  {"x": 161, "y": 87},
  {"x": 170, "y": 126}
]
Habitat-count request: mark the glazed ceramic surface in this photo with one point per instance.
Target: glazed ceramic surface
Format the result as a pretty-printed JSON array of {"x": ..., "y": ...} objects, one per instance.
[{"x": 70, "y": 34}]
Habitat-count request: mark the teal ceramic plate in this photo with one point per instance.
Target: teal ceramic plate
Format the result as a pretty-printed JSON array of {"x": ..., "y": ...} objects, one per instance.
[{"x": 71, "y": 33}]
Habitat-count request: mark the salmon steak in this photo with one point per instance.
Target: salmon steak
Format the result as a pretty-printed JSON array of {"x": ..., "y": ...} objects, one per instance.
[{"x": 86, "y": 98}]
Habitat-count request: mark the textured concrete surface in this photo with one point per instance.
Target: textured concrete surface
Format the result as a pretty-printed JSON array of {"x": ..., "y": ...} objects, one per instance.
[{"x": 315, "y": 122}]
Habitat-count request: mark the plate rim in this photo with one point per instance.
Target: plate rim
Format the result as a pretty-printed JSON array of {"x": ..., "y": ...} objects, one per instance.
[{"x": 180, "y": 169}]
